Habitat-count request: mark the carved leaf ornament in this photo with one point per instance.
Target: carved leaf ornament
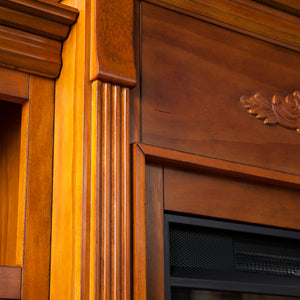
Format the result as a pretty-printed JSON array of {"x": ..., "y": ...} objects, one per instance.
[{"x": 285, "y": 111}]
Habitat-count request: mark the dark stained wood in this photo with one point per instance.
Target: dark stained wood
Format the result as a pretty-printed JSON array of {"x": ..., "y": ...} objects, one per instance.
[
  {"x": 43, "y": 18},
  {"x": 36, "y": 272},
  {"x": 155, "y": 232},
  {"x": 14, "y": 86},
  {"x": 216, "y": 196},
  {"x": 193, "y": 75},
  {"x": 10, "y": 282},
  {"x": 219, "y": 166},
  {"x": 139, "y": 225},
  {"x": 290, "y": 6},
  {"x": 247, "y": 17},
  {"x": 10, "y": 124},
  {"x": 112, "y": 42}
]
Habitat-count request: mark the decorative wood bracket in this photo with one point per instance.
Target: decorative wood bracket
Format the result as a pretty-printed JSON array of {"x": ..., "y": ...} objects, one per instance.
[
  {"x": 32, "y": 33},
  {"x": 285, "y": 111}
]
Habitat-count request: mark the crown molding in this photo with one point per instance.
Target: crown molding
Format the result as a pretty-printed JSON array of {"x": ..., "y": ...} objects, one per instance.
[
  {"x": 248, "y": 17},
  {"x": 32, "y": 34}
]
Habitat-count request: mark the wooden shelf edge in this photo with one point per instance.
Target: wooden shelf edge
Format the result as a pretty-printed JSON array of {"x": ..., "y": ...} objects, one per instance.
[
  {"x": 10, "y": 282},
  {"x": 248, "y": 17},
  {"x": 222, "y": 167}
]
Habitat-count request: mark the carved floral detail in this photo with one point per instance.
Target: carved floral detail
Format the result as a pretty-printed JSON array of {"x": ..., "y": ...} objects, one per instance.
[{"x": 285, "y": 111}]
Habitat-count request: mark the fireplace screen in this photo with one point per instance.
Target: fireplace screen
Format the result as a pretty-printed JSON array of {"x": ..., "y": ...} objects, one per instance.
[{"x": 233, "y": 260}]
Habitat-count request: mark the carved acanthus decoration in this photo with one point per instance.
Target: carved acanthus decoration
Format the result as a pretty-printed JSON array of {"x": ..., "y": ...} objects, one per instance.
[{"x": 284, "y": 111}]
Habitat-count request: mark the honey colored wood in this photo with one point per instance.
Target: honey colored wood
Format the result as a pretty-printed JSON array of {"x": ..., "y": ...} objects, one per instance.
[
  {"x": 209, "y": 195},
  {"x": 22, "y": 185},
  {"x": 36, "y": 269},
  {"x": 72, "y": 165},
  {"x": 10, "y": 122},
  {"x": 31, "y": 35},
  {"x": 112, "y": 42},
  {"x": 154, "y": 205},
  {"x": 110, "y": 240},
  {"x": 193, "y": 75},
  {"x": 247, "y": 17},
  {"x": 139, "y": 225},
  {"x": 10, "y": 282},
  {"x": 14, "y": 86}
]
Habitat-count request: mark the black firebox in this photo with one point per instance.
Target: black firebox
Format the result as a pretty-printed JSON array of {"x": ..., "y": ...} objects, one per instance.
[{"x": 212, "y": 257}]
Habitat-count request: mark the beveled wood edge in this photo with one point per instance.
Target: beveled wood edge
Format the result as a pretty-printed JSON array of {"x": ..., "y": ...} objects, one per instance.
[
  {"x": 220, "y": 167},
  {"x": 289, "y": 6},
  {"x": 248, "y": 17},
  {"x": 10, "y": 282},
  {"x": 139, "y": 224}
]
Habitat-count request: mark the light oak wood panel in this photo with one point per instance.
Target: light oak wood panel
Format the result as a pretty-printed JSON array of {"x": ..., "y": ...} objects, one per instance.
[
  {"x": 193, "y": 75},
  {"x": 10, "y": 283},
  {"x": 36, "y": 270},
  {"x": 205, "y": 194},
  {"x": 14, "y": 86},
  {"x": 71, "y": 166},
  {"x": 10, "y": 122},
  {"x": 110, "y": 228}
]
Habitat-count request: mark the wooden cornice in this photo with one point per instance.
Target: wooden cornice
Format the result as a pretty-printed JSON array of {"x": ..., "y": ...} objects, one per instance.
[
  {"x": 32, "y": 33},
  {"x": 249, "y": 17}
]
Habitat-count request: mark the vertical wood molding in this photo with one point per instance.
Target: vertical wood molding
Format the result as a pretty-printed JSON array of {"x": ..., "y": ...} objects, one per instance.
[
  {"x": 36, "y": 271},
  {"x": 110, "y": 255}
]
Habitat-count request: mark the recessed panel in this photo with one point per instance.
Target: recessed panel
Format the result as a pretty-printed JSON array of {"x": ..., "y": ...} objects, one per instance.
[{"x": 193, "y": 76}]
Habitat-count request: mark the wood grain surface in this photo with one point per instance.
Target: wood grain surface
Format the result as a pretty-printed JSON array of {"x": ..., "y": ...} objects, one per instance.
[
  {"x": 193, "y": 75},
  {"x": 14, "y": 86},
  {"x": 10, "y": 282},
  {"x": 112, "y": 42},
  {"x": 110, "y": 204},
  {"x": 10, "y": 122},
  {"x": 154, "y": 205},
  {"x": 36, "y": 271},
  {"x": 217, "y": 196},
  {"x": 247, "y": 17}
]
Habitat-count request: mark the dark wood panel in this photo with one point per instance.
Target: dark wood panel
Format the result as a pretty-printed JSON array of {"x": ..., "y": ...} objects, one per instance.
[
  {"x": 10, "y": 283},
  {"x": 193, "y": 75},
  {"x": 155, "y": 232},
  {"x": 218, "y": 196}
]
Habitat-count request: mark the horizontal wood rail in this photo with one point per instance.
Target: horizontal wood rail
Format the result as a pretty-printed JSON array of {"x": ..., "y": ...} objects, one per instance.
[
  {"x": 245, "y": 16},
  {"x": 221, "y": 167},
  {"x": 10, "y": 282}
]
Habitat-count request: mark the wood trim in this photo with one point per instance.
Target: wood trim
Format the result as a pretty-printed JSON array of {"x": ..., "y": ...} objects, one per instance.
[
  {"x": 289, "y": 6},
  {"x": 14, "y": 86},
  {"x": 10, "y": 282},
  {"x": 31, "y": 35},
  {"x": 245, "y": 16},
  {"x": 112, "y": 42},
  {"x": 218, "y": 166},
  {"x": 139, "y": 224},
  {"x": 36, "y": 271},
  {"x": 110, "y": 254},
  {"x": 43, "y": 18}
]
